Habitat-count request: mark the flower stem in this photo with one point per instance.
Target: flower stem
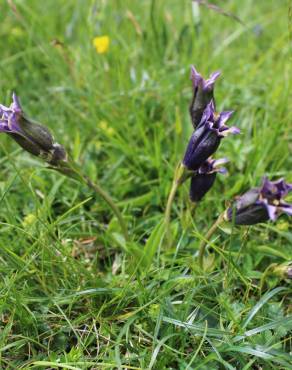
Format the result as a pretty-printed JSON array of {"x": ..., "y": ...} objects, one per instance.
[
  {"x": 203, "y": 244},
  {"x": 168, "y": 210},
  {"x": 181, "y": 174}
]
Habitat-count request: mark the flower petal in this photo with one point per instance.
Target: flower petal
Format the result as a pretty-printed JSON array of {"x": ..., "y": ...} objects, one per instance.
[
  {"x": 4, "y": 126},
  {"x": 247, "y": 199},
  {"x": 209, "y": 84},
  {"x": 231, "y": 130},
  {"x": 272, "y": 211},
  {"x": 213, "y": 165},
  {"x": 224, "y": 117},
  {"x": 218, "y": 162},
  {"x": 15, "y": 106},
  {"x": 286, "y": 208},
  {"x": 222, "y": 170},
  {"x": 208, "y": 114},
  {"x": 275, "y": 190},
  {"x": 196, "y": 77}
]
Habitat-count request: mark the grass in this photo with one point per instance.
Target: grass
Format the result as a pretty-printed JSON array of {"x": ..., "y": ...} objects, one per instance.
[{"x": 73, "y": 294}]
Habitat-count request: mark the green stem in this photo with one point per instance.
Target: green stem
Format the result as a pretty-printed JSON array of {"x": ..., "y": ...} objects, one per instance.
[
  {"x": 191, "y": 212},
  {"x": 168, "y": 210},
  {"x": 203, "y": 244},
  {"x": 181, "y": 174}
]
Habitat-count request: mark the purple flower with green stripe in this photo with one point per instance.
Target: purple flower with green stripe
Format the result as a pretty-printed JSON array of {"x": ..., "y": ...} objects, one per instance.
[
  {"x": 207, "y": 137},
  {"x": 203, "y": 94},
  {"x": 205, "y": 177},
  {"x": 261, "y": 204},
  {"x": 31, "y": 136}
]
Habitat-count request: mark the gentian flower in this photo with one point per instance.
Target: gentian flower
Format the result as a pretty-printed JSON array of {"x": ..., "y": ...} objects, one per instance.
[
  {"x": 261, "y": 204},
  {"x": 31, "y": 136},
  {"x": 206, "y": 138},
  {"x": 204, "y": 179},
  {"x": 203, "y": 94}
]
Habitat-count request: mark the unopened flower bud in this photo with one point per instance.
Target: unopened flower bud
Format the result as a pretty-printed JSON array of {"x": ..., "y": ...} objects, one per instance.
[
  {"x": 30, "y": 135},
  {"x": 203, "y": 94},
  {"x": 261, "y": 204}
]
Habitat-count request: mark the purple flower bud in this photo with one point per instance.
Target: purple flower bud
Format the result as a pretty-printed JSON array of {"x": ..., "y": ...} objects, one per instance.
[
  {"x": 261, "y": 204},
  {"x": 31, "y": 136},
  {"x": 204, "y": 179},
  {"x": 206, "y": 138},
  {"x": 203, "y": 94}
]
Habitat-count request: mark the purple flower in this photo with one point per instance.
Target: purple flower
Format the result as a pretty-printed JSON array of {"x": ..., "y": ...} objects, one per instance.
[
  {"x": 206, "y": 138},
  {"x": 204, "y": 179},
  {"x": 261, "y": 204},
  {"x": 203, "y": 94},
  {"x": 31, "y": 136}
]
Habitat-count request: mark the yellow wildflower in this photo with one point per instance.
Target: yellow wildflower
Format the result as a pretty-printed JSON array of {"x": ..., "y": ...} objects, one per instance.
[
  {"x": 106, "y": 128},
  {"x": 29, "y": 220},
  {"x": 101, "y": 44}
]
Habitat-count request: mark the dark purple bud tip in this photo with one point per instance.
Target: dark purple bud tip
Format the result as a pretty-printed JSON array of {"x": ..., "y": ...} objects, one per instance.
[
  {"x": 202, "y": 95},
  {"x": 204, "y": 179},
  {"x": 261, "y": 204},
  {"x": 58, "y": 154},
  {"x": 31, "y": 136},
  {"x": 206, "y": 138}
]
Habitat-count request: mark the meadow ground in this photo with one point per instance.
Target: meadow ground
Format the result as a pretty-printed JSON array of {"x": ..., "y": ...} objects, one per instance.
[{"x": 73, "y": 294}]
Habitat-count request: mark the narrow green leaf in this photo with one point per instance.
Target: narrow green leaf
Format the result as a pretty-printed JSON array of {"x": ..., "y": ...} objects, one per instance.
[
  {"x": 287, "y": 322},
  {"x": 260, "y": 304},
  {"x": 18, "y": 343},
  {"x": 198, "y": 328},
  {"x": 259, "y": 352},
  {"x": 152, "y": 245},
  {"x": 272, "y": 252},
  {"x": 55, "y": 365}
]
